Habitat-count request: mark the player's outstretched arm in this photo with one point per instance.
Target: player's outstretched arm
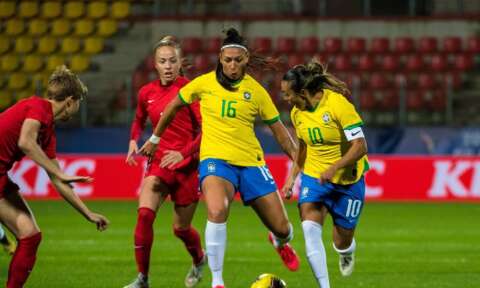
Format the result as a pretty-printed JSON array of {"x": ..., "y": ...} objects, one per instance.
[
  {"x": 296, "y": 169},
  {"x": 27, "y": 142},
  {"x": 284, "y": 139},
  {"x": 148, "y": 149},
  {"x": 69, "y": 195}
]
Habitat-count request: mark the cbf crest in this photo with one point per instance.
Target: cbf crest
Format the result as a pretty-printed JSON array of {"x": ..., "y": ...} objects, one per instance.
[
  {"x": 211, "y": 167},
  {"x": 326, "y": 117},
  {"x": 247, "y": 95}
]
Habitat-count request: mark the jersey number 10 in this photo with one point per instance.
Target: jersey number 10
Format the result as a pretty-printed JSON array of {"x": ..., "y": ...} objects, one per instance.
[{"x": 315, "y": 135}]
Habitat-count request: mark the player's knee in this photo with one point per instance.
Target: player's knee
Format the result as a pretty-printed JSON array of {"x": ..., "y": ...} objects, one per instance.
[
  {"x": 282, "y": 229},
  {"x": 342, "y": 242},
  {"x": 218, "y": 215},
  {"x": 146, "y": 215}
]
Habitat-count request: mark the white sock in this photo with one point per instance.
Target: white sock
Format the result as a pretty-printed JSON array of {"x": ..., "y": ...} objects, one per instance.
[
  {"x": 282, "y": 241},
  {"x": 347, "y": 251},
  {"x": 2, "y": 232},
  {"x": 316, "y": 252},
  {"x": 216, "y": 240}
]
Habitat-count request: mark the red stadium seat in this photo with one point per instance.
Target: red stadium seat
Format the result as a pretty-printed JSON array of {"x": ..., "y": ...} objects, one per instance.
[
  {"x": 438, "y": 101},
  {"x": 380, "y": 45},
  {"x": 295, "y": 59},
  {"x": 452, "y": 44},
  {"x": 309, "y": 45},
  {"x": 356, "y": 45},
  {"x": 366, "y": 63},
  {"x": 414, "y": 63},
  {"x": 404, "y": 45},
  {"x": 474, "y": 44},
  {"x": 438, "y": 62},
  {"x": 389, "y": 100},
  {"x": 426, "y": 81},
  {"x": 463, "y": 62},
  {"x": 332, "y": 45},
  {"x": 213, "y": 45},
  {"x": 192, "y": 45},
  {"x": 202, "y": 63},
  {"x": 262, "y": 45},
  {"x": 139, "y": 78},
  {"x": 414, "y": 100},
  {"x": 149, "y": 64},
  {"x": 390, "y": 63},
  {"x": 454, "y": 78},
  {"x": 286, "y": 45},
  {"x": 428, "y": 45},
  {"x": 367, "y": 100},
  {"x": 342, "y": 62},
  {"x": 378, "y": 81}
]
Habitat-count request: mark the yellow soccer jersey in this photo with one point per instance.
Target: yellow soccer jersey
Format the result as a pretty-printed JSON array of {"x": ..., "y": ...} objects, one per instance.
[
  {"x": 323, "y": 130},
  {"x": 228, "y": 118}
]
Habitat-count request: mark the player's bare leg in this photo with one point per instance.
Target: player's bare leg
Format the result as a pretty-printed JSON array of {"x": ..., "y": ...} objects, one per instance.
[
  {"x": 17, "y": 216},
  {"x": 152, "y": 195},
  {"x": 313, "y": 216},
  {"x": 218, "y": 196},
  {"x": 271, "y": 211},
  {"x": 182, "y": 219},
  {"x": 344, "y": 244}
]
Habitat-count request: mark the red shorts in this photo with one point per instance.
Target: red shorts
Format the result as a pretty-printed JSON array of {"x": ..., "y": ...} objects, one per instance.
[
  {"x": 6, "y": 185},
  {"x": 183, "y": 183}
]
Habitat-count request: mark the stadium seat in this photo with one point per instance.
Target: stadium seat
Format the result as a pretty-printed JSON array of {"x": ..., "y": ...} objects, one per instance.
[
  {"x": 414, "y": 100},
  {"x": 454, "y": 79},
  {"x": 463, "y": 62},
  {"x": 37, "y": 27},
  {"x": 378, "y": 81},
  {"x": 356, "y": 45},
  {"x": 286, "y": 45},
  {"x": 93, "y": 45},
  {"x": 17, "y": 81},
  {"x": 97, "y": 9},
  {"x": 295, "y": 59},
  {"x": 27, "y": 9},
  {"x": 191, "y": 45},
  {"x": 54, "y": 61},
  {"x": 32, "y": 63},
  {"x": 70, "y": 45},
  {"x": 10, "y": 63},
  {"x": 213, "y": 45},
  {"x": 149, "y": 63},
  {"x": 40, "y": 80},
  {"x": 74, "y": 9},
  {"x": 473, "y": 44},
  {"x": 202, "y": 63},
  {"x": 438, "y": 62},
  {"x": 23, "y": 94},
  {"x": 47, "y": 45},
  {"x": 414, "y": 63},
  {"x": 309, "y": 45},
  {"x": 380, "y": 45},
  {"x": 14, "y": 27},
  {"x": 426, "y": 81},
  {"x": 367, "y": 100},
  {"x": 390, "y": 63},
  {"x": 79, "y": 63},
  {"x": 437, "y": 100},
  {"x": 7, "y": 9},
  {"x": 366, "y": 63},
  {"x": 389, "y": 100},
  {"x": 262, "y": 44},
  {"x": 23, "y": 45},
  {"x": 427, "y": 45},
  {"x": 452, "y": 45},
  {"x": 4, "y": 44},
  {"x": 60, "y": 27},
  {"x": 332, "y": 45},
  {"x": 120, "y": 9},
  {"x": 404, "y": 45},
  {"x": 342, "y": 62},
  {"x": 51, "y": 9},
  {"x": 106, "y": 27},
  {"x": 6, "y": 99},
  {"x": 84, "y": 27},
  {"x": 139, "y": 78}
]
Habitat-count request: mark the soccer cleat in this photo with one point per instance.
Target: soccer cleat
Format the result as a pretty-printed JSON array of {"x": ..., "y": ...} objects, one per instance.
[
  {"x": 346, "y": 263},
  {"x": 195, "y": 273},
  {"x": 287, "y": 253},
  {"x": 219, "y": 286},
  {"x": 139, "y": 282},
  {"x": 9, "y": 246}
]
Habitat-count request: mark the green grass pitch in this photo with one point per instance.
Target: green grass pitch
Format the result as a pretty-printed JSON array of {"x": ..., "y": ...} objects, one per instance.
[{"x": 399, "y": 245}]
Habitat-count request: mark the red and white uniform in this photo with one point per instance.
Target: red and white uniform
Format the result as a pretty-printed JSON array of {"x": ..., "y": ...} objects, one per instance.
[
  {"x": 11, "y": 122},
  {"x": 182, "y": 134}
]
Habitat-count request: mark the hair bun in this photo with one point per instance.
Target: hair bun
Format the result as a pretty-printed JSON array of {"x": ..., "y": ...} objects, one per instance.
[{"x": 232, "y": 33}]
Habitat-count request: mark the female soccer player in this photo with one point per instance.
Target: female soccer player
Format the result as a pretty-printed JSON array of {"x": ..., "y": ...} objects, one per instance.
[
  {"x": 27, "y": 128},
  {"x": 231, "y": 158},
  {"x": 332, "y": 155},
  {"x": 173, "y": 170}
]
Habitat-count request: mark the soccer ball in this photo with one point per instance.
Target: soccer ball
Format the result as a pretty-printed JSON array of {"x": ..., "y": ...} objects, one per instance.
[{"x": 268, "y": 281}]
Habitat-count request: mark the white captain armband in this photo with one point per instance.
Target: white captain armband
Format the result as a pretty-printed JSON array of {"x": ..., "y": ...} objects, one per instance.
[{"x": 354, "y": 133}]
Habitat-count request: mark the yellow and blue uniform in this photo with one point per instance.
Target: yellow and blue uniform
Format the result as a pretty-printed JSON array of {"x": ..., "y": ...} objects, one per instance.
[
  {"x": 327, "y": 130},
  {"x": 229, "y": 147}
]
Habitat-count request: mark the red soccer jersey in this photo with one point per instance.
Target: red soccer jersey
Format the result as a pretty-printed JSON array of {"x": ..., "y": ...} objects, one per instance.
[
  {"x": 183, "y": 133},
  {"x": 11, "y": 122}
]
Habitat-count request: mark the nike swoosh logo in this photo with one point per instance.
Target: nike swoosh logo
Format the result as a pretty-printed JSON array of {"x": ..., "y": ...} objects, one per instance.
[
  {"x": 150, "y": 101},
  {"x": 355, "y": 133}
]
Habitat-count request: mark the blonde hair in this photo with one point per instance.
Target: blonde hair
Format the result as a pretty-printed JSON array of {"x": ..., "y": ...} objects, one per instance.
[{"x": 63, "y": 83}]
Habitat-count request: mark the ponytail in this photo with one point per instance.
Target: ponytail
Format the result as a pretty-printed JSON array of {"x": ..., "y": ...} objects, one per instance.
[{"x": 318, "y": 78}]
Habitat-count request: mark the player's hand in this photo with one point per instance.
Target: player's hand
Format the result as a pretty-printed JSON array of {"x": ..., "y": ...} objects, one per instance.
[
  {"x": 100, "y": 220},
  {"x": 328, "y": 174},
  {"x": 132, "y": 151},
  {"x": 148, "y": 149},
  {"x": 171, "y": 158},
  {"x": 71, "y": 179},
  {"x": 287, "y": 189}
]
